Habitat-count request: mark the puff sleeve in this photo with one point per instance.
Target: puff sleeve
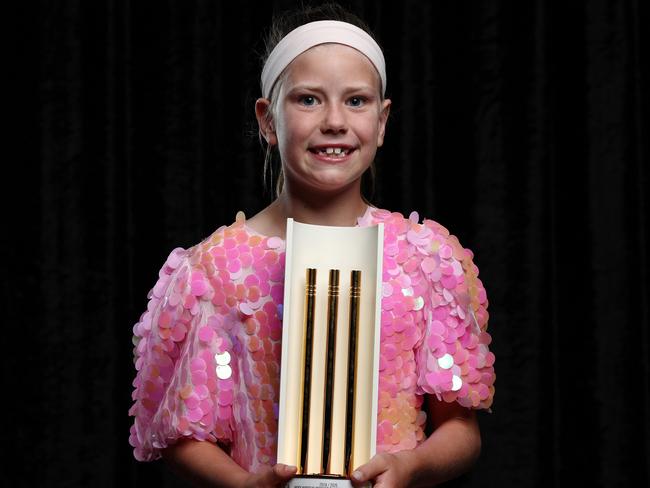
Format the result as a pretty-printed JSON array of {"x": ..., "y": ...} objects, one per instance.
[
  {"x": 180, "y": 344},
  {"x": 453, "y": 359}
]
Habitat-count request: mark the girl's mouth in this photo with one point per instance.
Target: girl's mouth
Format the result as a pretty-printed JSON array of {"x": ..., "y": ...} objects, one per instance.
[{"x": 333, "y": 154}]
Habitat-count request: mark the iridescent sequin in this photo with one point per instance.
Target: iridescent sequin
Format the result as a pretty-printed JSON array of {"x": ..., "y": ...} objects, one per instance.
[
  {"x": 207, "y": 349},
  {"x": 446, "y": 361},
  {"x": 222, "y": 359},
  {"x": 224, "y": 372}
]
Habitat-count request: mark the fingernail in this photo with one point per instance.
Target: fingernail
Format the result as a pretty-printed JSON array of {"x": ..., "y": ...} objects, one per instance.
[{"x": 357, "y": 475}]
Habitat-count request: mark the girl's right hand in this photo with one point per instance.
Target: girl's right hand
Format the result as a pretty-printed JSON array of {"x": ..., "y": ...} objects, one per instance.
[{"x": 270, "y": 477}]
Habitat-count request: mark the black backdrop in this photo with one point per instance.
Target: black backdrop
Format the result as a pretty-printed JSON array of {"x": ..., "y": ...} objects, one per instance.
[{"x": 521, "y": 126}]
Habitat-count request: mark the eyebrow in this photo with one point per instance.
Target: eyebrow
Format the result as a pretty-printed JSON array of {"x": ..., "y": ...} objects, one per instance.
[{"x": 318, "y": 88}]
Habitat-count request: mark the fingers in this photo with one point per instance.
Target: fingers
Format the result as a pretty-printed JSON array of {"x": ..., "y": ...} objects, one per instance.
[
  {"x": 371, "y": 470},
  {"x": 280, "y": 473},
  {"x": 284, "y": 472}
]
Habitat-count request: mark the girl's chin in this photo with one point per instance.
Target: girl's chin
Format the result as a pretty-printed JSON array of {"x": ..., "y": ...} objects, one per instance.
[
  {"x": 324, "y": 177},
  {"x": 329, "y": 185}
]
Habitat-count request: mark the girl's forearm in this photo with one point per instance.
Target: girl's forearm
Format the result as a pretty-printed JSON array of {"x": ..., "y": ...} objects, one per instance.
[
  {"x": 204, "y": 464},
  {"x": 449, "y": 451}
]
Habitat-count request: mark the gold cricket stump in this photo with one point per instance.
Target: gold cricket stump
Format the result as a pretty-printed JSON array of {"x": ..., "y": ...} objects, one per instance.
[{"x": 330, "y": 352}]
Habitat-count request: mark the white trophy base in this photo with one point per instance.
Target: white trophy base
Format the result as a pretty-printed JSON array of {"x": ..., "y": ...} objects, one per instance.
[{"x": 314, "y": 482}]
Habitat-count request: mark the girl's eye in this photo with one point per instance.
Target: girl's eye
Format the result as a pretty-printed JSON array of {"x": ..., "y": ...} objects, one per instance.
[
  {"x": 307, "y": 100},
  {"x": 357, "y": 101}
]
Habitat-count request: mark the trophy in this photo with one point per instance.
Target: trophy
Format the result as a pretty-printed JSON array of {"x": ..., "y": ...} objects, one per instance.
[{"x": 330, "y": 352}]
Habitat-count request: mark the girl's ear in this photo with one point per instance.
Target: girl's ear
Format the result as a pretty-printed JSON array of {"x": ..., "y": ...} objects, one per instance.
[
  {"x": 264, "y": 122},
  {"x": 383, "y": 118}
]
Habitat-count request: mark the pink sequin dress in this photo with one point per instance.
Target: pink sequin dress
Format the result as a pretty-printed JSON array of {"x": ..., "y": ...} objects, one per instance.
[{"x": 208, "y": 347}]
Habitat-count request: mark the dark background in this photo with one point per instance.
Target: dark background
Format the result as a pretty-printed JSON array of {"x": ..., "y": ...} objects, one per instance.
[{"x": 521, "y": 126}]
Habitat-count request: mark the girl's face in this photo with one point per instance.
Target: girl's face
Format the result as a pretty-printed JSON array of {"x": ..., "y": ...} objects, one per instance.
[{"x": 330, "y": 119}]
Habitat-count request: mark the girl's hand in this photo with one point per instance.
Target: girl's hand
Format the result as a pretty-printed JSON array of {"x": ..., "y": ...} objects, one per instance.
[
  {"x": 386, "y": 470},
  {"x": 270, "y": 477}
]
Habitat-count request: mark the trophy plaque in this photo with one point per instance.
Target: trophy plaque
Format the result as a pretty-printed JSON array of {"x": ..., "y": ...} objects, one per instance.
[{"x": 330, "y": 352}]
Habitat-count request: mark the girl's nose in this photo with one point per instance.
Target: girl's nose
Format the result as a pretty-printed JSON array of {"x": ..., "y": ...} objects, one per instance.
[{"x": 334, "y": 120}]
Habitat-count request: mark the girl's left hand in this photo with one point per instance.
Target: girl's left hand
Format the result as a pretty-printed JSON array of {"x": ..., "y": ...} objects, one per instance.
[{"x": 386, "y": 470}]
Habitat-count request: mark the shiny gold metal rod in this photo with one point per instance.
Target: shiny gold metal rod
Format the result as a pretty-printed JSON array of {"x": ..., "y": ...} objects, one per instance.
[
  {"x": 307, "y": 349},
  {"x": 332, "y": 316},
  {"x": 355, "y": 296}
]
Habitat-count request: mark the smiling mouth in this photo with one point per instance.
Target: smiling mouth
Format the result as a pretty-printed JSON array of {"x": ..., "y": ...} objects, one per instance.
[{"x": 332, "y": 152}]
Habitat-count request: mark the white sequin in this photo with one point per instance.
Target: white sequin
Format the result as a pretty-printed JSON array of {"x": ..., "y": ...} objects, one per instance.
[
  {"x": 446, "y": 362},
  {"x": 225, "y": 372},
  {"x": 222, "y": 359},
  {"x": 456, "y": 383}
]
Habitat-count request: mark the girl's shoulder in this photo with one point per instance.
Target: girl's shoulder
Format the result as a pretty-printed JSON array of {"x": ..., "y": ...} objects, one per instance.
[
  {"x": 227, "y": 256},
  {"x": 425, "y": 236},
  {"x": 232, "y": 240}
]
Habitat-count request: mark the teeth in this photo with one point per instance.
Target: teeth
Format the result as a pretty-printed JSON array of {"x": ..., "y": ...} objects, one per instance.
[{"x": 334, "y": 150}]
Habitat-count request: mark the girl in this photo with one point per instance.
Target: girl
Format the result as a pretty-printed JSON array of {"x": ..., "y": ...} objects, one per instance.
[{"x": 208, "y": 347}]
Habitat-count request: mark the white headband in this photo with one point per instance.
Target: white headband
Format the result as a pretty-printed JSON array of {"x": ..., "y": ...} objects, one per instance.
[{"x": 320, "y": 32}]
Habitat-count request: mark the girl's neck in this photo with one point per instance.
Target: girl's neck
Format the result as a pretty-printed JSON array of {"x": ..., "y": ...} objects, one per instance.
[
  {"x": 339, "y": 210},
  {"x": 342, "y": 209}
]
